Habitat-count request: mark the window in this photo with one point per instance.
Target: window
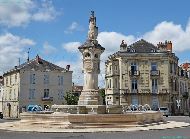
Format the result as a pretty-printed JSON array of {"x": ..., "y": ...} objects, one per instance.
[
  {"x": 115, "y": 67},
  {"x": 116, "y": 83},
  {"x": 60, "y": 80},
  {"x": 110, "y": 69},
  {"x": 134, "y": 86},
  {"x": 46, "y": 93},
  {"x": 31, "y": 93},
  {"x": 110, "y": 86},
  {"x": 6, "y": 80},
  {"x": 46, "y": 79},
  {"x": 109, "y": 83},
  {"x": 32, "y": 78},
  {"x": 175, "y": 85},
  {"x": 60, "y": 94},
  {"x": 10, "y": 97},
  {"x": 154, "y": 85},
  {"x": 175, "y": 68},
  {"x": 15, "y": 78},
  {"x": 14, "y": 94},
  {"x": 153, "y": 66},
  {"x": 10, "y": 80},
  {"x": 170, "y": 67},
  {"x": 96, "y": 55},
  {"x": 133, "y": 68},
  {"x": 87, "y": 55}
]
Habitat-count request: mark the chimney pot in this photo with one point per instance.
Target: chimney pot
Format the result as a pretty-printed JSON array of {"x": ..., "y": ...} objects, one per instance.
[{"x": 67, "y": 67}]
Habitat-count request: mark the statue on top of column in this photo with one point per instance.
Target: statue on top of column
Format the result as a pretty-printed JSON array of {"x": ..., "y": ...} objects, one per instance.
[{"x": 93, "y": 30}]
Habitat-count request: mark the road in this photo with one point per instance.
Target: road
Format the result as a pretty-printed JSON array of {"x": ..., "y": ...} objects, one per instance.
[{"x": 177, "y": 133}]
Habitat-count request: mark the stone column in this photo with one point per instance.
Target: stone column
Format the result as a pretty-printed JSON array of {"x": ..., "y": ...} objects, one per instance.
[{"x": 91, "y": 52}]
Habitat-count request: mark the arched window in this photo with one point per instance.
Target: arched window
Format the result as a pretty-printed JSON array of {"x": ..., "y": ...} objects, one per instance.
[
  {"x": 87, "y": 55},
  {"x": 96, "y": 55}
]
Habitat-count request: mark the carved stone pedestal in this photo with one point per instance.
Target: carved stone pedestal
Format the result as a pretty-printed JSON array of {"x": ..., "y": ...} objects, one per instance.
[{"x": 90, "y": 97}]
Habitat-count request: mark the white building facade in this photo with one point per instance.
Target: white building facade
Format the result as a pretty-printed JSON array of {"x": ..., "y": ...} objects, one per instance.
[{"x": 36, "y": 82}]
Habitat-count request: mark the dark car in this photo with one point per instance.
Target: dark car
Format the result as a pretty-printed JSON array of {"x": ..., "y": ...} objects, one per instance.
[{"x": 1, "y": 115}]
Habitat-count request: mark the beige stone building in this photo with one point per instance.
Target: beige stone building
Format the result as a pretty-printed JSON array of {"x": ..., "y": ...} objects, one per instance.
[
  {"x": 143, "y": 73},
  {"x": 1, "y": 93},
  {"x": 184, "y": 89},
  {"x": 36, "y": 82}
]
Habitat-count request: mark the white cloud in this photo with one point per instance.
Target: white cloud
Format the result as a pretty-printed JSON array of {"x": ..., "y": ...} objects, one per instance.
[
  {"x": 46, "y": 12},
  {"x": 112, "y": 40},
  {"x": 73, "y": 27},
  {"x": 48, "y": 49},
  {"x": 12, "y": 47},
  {"x": 14, "y": 13},
  {"x": 71, "y": 46},
  {"x": 172, "y": 32}
]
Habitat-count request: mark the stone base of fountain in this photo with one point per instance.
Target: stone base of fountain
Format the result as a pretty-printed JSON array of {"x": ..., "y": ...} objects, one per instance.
[
  {"x": 98, "y": 116},
  {"x": 85, "y": 120}
]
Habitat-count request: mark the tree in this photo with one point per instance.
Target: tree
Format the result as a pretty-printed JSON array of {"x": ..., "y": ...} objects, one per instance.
[
  {"x": 102, "y": 94},
  {"x": 71, "y": 99}
]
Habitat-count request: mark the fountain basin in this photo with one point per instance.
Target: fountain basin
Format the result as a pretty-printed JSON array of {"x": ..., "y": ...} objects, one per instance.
[{"x": 96, "y": 119}]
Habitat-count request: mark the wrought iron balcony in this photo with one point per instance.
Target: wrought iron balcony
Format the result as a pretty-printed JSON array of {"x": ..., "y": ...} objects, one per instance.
[
  {"x": 134, "y": 91},
  {"x": 47, "y": 98},
  {"x": 134, "y": 73},
  {"x": 154, "y": 72},
  {"x": 185, "y": 95}
]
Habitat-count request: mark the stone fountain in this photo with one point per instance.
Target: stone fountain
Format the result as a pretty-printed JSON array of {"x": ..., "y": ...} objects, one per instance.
[{"x": 90, "y": 110}]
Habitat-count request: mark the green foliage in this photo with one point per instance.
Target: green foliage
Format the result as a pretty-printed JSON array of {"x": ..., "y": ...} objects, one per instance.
[
  {"x": 102, "y": 94},
  {"x": 71, "y": 99}
]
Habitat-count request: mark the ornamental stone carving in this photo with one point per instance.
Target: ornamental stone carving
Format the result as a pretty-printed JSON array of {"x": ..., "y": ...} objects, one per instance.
[{"x": 93, "y": 30}]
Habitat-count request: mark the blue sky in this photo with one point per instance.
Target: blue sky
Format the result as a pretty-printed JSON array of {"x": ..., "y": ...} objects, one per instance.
[{"x": 54, "y": 29}]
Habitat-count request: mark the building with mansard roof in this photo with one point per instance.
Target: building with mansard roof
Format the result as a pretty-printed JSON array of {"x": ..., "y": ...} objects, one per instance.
[
  {"x": 35, "y": 82},
  {"x": 142, "y": 73}
]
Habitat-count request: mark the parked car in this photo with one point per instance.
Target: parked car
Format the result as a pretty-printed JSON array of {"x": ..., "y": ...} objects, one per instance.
[
  {"x": 164, "y": 110},
  {"x": 1, "y": 115}
]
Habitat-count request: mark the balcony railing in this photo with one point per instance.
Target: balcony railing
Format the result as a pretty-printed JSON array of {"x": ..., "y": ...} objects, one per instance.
[
  {"x": 185, "y": 95},
  {"x": 47, "y": 98},
  {"x": 134, "y": 91},
  {"x": 154, "y": 72},
  {"x": 134, "y": 73}
]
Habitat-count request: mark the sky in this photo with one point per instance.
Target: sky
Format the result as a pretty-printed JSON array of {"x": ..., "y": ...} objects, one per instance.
[{"x": 54, "y": 29}]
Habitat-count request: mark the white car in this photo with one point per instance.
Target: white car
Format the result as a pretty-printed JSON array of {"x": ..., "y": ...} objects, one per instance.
[{"x": 164, "y": 110}]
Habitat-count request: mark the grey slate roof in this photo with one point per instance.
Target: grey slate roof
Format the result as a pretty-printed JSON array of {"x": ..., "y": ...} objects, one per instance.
[
  {"x": 37, "y": 64},
  {"x": 142, "y": 46}
]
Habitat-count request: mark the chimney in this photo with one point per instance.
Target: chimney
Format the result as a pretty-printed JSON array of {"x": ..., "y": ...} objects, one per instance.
[
  {"x": 67, "y": 67},
  {"x": 123, "y": 45},
  {"x": 38, "y": 60},
  {"x": 169, "y": 46}
]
